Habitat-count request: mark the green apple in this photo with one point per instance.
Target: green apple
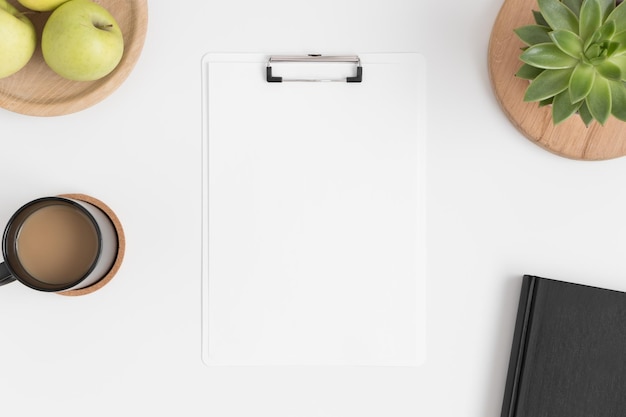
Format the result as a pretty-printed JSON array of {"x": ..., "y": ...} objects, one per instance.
[
  {"x": 41, "y": 5},
  {"x": 81, "y": 41},
  {"x": 17, "y": 39}
]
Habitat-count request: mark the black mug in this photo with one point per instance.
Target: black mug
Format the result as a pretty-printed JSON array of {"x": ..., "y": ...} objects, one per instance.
[{"x": 57, "y": 244}]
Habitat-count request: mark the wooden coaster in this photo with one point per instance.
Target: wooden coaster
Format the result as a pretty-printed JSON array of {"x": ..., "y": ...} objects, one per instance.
[
  {"x": 120, "y": 250},
  {"x": 571, "y": 139}
]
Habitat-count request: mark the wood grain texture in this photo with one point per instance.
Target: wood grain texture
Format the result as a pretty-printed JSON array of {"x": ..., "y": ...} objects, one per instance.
[
  {"x": 36, "y": 90},
  {"x": 571, "y": 139}
]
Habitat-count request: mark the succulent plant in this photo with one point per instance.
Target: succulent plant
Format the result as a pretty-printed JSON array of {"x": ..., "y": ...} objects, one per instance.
[{"x": 575, "y": 59}]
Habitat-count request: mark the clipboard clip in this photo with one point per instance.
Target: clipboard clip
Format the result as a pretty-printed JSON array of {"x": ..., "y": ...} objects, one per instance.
[{"x": 357, "y": 78}]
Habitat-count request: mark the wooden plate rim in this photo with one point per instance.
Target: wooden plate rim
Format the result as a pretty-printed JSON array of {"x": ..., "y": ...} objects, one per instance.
[
  {"x": 96, "y": 91},
  {"x": 570, "y": 139}
]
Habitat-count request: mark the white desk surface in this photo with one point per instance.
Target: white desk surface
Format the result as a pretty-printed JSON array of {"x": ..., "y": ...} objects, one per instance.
[{"x": 498, "y": 207}]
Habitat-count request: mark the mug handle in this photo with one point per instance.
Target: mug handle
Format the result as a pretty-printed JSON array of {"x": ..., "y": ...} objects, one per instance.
[{"x": 5, "y": 275}]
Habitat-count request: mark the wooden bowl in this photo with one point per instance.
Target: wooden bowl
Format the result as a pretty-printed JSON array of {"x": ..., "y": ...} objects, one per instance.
[{"x": 38, "y": 91}]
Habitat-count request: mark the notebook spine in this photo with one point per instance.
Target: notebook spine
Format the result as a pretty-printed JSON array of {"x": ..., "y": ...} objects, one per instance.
[{"x": 518, "y": 351}]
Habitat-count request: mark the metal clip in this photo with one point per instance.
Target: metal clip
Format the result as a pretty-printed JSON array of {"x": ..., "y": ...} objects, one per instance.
[{"x": 357, "y": 78}]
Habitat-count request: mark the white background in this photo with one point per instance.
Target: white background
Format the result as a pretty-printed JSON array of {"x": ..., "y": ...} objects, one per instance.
[{"x": 498, "y": 206}]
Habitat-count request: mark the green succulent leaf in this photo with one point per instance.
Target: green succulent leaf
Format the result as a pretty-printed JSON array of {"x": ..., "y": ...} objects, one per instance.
[
  {"x": 547, "y": 84},
  {"x": 607, "y": 7},
  {"x": 607, "y": 30},
  {"x": 620, "y": 40},
  {"x": 547, "y": 56},
  {"x": 558, "y": 15},
  {"x": 620, "y": 61},
  {"x": 533, "y": 34},
  {"x": 575, "y": 59},
  {"x": 618, "y": 15},
  {"x": 567, "y": 42},
  {"x": 581, "y": 82},
  {"x": 618, "y": 97},
  {"x": 592, "y": 41},
  {"x": 539, "y": 18},
  {"x": 590, "y": 18},
  {"x": 563, "y": 108},
  {"x": 585, "y": 114},
  {"x": 599, "y": 40},
  {"x": 609, "y": 71},
  {"x": 611, "y": 48},
  {"x": 546, "y": 102},
  {"x": 599, "y": 100},
  {"x": 574, "y": 5},
  {"x": 528, "y": 72},
  {"x": 594, "y": 53}
]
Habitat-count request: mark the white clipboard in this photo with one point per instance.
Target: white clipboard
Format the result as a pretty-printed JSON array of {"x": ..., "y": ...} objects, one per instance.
[{"x": 313, "y": 210}]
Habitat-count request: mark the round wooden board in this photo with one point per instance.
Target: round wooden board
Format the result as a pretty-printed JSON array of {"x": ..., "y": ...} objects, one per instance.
[
  {"x": 571, "y": 139},
  {"x": 37, "y": 91}
]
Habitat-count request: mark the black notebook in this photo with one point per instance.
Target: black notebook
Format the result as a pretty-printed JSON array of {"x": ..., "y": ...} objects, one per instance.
[{"x": 569, "y": 352}]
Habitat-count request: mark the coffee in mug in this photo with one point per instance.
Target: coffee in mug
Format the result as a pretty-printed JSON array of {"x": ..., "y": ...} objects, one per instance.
[{"x": 58, "y": 244}]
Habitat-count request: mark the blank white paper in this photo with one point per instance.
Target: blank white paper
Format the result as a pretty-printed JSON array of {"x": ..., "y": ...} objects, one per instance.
[{"x": 313, "y": 214}]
